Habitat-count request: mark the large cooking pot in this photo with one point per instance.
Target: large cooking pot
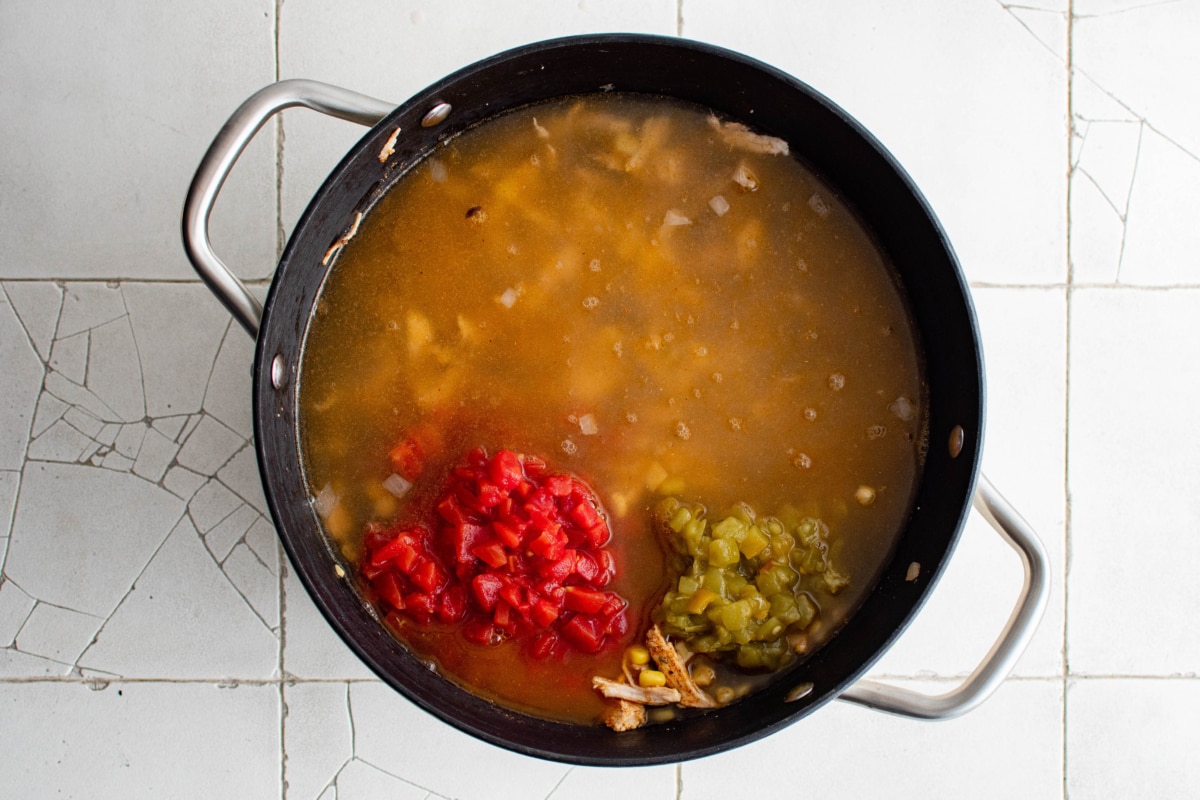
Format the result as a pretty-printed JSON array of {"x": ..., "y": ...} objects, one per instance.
[{"x": 736, "y": 87}]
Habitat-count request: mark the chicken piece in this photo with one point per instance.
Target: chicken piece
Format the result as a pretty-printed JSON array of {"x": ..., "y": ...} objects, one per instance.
[
  {"x": 645, "y": 695},
  {"x": 678, "y": 677},
  {"x": 624, "y": 715},
  {"x": 737, "y": 135}
]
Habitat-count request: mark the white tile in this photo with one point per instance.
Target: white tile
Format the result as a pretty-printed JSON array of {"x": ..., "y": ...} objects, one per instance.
[
  {"x": 175, "y": 367},
  {"x": 10, "y": 481},
  {"x": 110, "y": 523},
  {"x": 210, "y": 505},
  {"x": 317, "y": 736},
  {"x": 431, "y": 753},
  {"x": 19, "y": 391},
  {"x": 60, "y": 443},
  {"x": 57, "y": 633},
  {"x": 154, "y": 456},
  {"x": 964, "y": 94},
  {"x": 229, "y": 531},
  {"x": 1133, "y": 739},
  {"x": 1161, "y": 238},
  {"x": 311, "y": 648},
  {"x": 88, "y": 305},
  {"x": 23, "y": 666},
  {"x": 37, "y": 304},
  {"x": 318, "y": 39},
  {"x": 116, "y": 106},
  {"x": 139, "y": 740},
  {"x": 69, "y": 356},
  {"x": 182, "y": 482},
  {"x": 1009, "y": 747},
  {"x": 183, "y": 619},
  {"x": 129, "y": 439},
  {"x": 242, "y": 476},
  {"x": 1024, "y": 457},
  {"x": 1097, "y": 233},
  {"x": 1135, "y": 386},
  {"x": 49, "y": 410}
]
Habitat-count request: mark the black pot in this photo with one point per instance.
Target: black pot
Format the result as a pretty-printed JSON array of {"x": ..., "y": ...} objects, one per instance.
[{"x": 845, "y": 155}]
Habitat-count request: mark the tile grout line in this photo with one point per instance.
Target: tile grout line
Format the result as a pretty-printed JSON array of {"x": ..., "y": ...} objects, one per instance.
[{"x": 1067, "y": 396}]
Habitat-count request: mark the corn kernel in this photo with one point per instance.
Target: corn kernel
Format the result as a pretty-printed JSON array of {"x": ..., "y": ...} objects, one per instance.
[
  {"x": 649, "y": 678},
  {"x": 638, "y": 655}
]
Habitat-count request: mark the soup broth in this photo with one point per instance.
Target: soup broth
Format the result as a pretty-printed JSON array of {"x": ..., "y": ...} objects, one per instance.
[{"x": 643, "y": 296}]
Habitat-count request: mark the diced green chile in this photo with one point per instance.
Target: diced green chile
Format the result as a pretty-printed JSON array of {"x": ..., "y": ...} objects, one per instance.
[{"x": 762, "y": 571}]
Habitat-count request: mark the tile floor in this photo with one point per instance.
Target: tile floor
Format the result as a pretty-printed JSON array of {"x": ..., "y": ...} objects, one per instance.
[{"x": 153, "y": 641}]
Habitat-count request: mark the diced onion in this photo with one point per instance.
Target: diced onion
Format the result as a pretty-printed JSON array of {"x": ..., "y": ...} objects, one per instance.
[
  {"x": 396, "y": 485},
  {"x": 673, "y": 217},
  {"x": 325, "y": 501},
  {"x": 437, "y": 170},
  {"x": 588, "y": 426},
  {"x": 719, "y": 205},
  {"x": 508, "y": 298}
]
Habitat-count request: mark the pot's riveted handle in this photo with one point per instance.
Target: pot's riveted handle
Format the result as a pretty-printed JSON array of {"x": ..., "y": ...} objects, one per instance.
[
  {"x": 1000, "y": 660},
  {"x": 223, "y": 153}
]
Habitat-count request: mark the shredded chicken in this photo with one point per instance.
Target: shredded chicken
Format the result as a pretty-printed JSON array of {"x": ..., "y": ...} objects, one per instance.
[
  {"x": 675, "y": 668},
  {"x": 737, "y": 135},
  {"x": 645, "y": 695},
  {"x": 340, "y": 243},
  {"x": 624, "y": 715}
]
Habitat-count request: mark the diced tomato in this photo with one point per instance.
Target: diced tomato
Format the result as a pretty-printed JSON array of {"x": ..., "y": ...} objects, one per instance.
[
  {"x": 491, "y": 495},
  {"x": 534, "y": 466},
  {"x": 375, "y": 536},
  {"x": 585, "y": 515},
  {"x": 491, "y": 553},
  {"x": 407, "y": 459},
  {"x": 514, "y": 594},
  {"x": 587, "y": 601},
  {"x": 558, "y": 485},
  {"x": 543, "y": 645},
  {"x": 388, "y": 586},
  {"x": 480, "y": 631},
  {"x": 550, "y": 545},
  {"x": 429, "y": 577},
  {"x": 587, "y": 568},
  {"x": 613, "y": 603},
  {"x": 420, "y": 605},
  {"x": 464, "y": 539},
  {"x": 608, "y": 568},
  {"x": 505, "y": 470},
  {"x": 452, "y": 511},
  {"x": 508, "y": 534},
  {"x": 617, "y": 625},
  {"x": 586, "y": 633},
  {"x": 486, "y": 587},
  {"x": 504, "y": 617},
  {"x": 453, "y": 605},
  {"x": 551, "y": 590},
  {"x": 560, "y": 569},
  {"x": 543, "y": 612}
]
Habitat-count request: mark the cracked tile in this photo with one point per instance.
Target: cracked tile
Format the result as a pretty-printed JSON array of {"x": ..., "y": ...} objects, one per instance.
[
  {"x": 23, "y": 374},
  {"x": 61, "y": 442},
  {"x": 114, "y": 374},
  {"x": 139, "y": 740},
  {"x": 49, "y": 410},
  {"x": 594, "y": 783},
  {"x": 255, "y": 582},
  {"x": 182, "y": 482},
  {"x": 241, "y": 475},
  {"x": 317, "y": 738},
  {"x": 84, "y": 422},
  {"x": 154, "y": 456},
  {"x": 1048, "y": 26},
  {"x": 89, "y": 305},
  {"x": 228, "y": 396},
  {"x": 311, "y": 648},
  {"x": 229, "y": 531},
  {"x": 170, "y": 427},
  {"x": 183, "y": 619},
  {"x": 431, "y": 753},
  {"x": 1161, "y": 237},
  {"x": 107, "y": 524},
  {"x": 209, "y": 446},
  {"x": 15, "y": 664},
  {"x": 37, "y": 304},
  {"x": 176, "y": 366},
  {"x": 211, "y": 504},
  {"x": 360, "y": 779},
  {"x": 69, "y": 357},
  {"x": 15, "y": 607},
  {"x": 9, "y": 482},
  {"x": 129, "y": 439},
  {"x": 56, "y": 633},
  {"x": 263, "y": 540}
]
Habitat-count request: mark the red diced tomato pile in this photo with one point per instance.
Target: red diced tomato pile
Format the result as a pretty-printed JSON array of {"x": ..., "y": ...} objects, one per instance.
[{"x": 517, "y": 553}]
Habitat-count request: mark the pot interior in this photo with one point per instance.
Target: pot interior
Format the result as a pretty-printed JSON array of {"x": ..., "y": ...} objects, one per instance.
[{"x": 836, "y": 148}]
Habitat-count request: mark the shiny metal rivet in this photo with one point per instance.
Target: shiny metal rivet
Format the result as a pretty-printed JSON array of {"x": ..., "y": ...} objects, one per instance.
[
  {"x": 436, "y": 115},
  {"x": 956, "y": 441},
  {"x": 798, "y": 692},
  {"x": 278, "y": 372}
]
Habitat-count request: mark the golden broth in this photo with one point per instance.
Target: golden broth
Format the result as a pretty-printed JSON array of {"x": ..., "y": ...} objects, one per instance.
[{"x": 621, "y": 286}]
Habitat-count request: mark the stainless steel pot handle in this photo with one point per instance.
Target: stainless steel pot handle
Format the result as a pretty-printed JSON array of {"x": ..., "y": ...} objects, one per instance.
[
  {"x": 1017, "y": 632},
  {"x": 223, "y": 153}
]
